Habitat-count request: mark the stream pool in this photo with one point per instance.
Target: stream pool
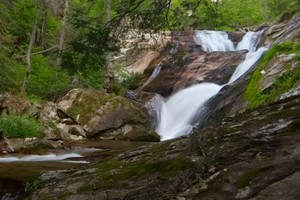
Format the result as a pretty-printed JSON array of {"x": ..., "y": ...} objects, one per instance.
[{"x": 17, "y": 170}]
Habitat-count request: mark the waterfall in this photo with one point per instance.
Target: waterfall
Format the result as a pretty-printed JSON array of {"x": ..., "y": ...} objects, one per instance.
[
  {"x": 178, "y": 112},
  {"x": 250, "y": 60},
  {"x": 154, "y": 74},
  {"x": 250, "y": 41},
  {"x": 213, "y": 41}
]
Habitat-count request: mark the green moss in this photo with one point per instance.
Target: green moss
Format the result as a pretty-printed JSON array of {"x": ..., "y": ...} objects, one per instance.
[
  {"x": 167, "y": 168},
  {"x": 33, "y": 185},
  {"x": 249, "y": 176},
  {"x": 282, "y": 83},
  {"x": 113, "y": 173},
  {"x": 88, "y": 102}
]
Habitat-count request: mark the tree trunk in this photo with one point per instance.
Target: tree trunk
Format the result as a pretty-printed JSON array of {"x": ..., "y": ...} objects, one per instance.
[
  {"x": 108, "y": 58},
  {"x": 44, "y": 22},
  {"x": 29, "y": 50},
  {"x": 62, "y": 33}
]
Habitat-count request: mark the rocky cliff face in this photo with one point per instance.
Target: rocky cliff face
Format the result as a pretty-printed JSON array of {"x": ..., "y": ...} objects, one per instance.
[
  {"x": 185, "y": 64},
  {"x": 249, "y": 148},
  {"x": 274, "y": 77},
  {"x": 253, "y": 155}
]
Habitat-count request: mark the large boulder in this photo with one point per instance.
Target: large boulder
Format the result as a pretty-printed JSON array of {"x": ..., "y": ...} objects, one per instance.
[
  {"x": 58, "y": 126},
  {"x": 12, "y": 104},
  {"x": 105, "y": 115}
]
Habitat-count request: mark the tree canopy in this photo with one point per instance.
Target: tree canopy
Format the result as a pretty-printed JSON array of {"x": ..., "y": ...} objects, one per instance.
[{"x": 73, "y": 37}]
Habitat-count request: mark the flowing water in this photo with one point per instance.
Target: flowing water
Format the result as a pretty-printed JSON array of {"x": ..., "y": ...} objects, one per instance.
[
  {"x": 16, "y": 170},
  {"x": 177, "y": 113},
  {"x": 213, "y": 41},
  {"x": 250, "y": 60},
  {"x": 154, "y": 74}
]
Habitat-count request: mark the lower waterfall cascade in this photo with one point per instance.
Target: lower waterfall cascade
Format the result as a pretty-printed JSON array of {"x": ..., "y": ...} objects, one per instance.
[{"x": 178, "y": 111}]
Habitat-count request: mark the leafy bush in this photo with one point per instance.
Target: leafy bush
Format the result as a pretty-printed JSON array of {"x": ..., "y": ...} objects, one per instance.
[
  {"x": 127, "y": 79},
  {"x": 33, "y": 186},
  {"x": 14, "y": 126},
  {"x": 12, "y": 74},
  {"x": 45, "y": 81},
  {"x": 91, "y": 78},
  {"x": 132, "y": 80}
]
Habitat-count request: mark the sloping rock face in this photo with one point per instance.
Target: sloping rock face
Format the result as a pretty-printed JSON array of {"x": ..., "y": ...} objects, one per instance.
[
  {"x": 186, "y": 64},
  {"x": 253, "y": 155},
  {"x": 213, "y": 67},
  {"x": 274, "y": 77},
  {"x": 286, "y": 29},
  {"x": 105, "y": 115}
]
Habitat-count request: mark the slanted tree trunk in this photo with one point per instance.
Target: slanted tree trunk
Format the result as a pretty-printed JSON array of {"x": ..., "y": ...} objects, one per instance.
[
  {"x": 62, "y": 33},
  {"x": 29, "y": 50}
]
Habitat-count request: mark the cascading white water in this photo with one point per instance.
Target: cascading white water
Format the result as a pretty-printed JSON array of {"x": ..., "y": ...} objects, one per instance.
[
  {"x": 38, "y": 158},
  {"x": 156, "y": 71},
  {"x": 250, "y": 60},
  {"x": 213, "y": 41},
  {"x": 177, "y": 113},
  {"x": 250, "y": 41},
  {"x": 154, "y": 74},
  {"x": 77, "y": 153}
]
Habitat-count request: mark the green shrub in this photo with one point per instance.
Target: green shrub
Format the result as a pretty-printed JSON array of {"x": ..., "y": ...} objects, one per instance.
[
  {"x": 11, "y": 74},
  {"x": 14, "y": 126},
  {"x": 46, "y": 79},
  {"x": 33, "y": 185},
  {"x": 127, "y": 79},
  {"x": 131, "y": 82},
  {"x": 91, "y": 77}
]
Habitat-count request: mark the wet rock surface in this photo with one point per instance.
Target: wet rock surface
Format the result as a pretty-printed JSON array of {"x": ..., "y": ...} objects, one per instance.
[
  {"x": 247, "y": 156},
  {"x": 186, "y": 64}
]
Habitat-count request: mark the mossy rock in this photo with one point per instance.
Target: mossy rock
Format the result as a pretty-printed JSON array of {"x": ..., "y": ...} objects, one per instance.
[{"x": 99, "y": 112}]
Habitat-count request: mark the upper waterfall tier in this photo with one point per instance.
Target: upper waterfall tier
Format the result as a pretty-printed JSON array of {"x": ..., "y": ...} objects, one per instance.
[
  {"x": 250, "y": 41},
  {"x": 213, "y": 41},
  {"x": 218, "y": 41}
]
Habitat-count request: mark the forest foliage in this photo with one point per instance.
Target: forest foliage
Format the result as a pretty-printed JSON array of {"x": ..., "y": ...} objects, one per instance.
[{"x": 73, "y": 37}]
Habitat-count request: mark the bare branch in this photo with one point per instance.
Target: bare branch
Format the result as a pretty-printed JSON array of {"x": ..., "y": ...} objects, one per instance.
[{"x": 36, "y": 53}]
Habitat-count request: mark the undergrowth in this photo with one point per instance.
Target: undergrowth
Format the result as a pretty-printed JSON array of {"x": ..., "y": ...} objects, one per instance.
[
  {"x": 14, "y": 126},
  {"x": 282, "y": 83}
]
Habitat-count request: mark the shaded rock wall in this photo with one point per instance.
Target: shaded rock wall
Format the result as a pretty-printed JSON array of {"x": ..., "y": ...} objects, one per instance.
[{"x": 247, "y": 156}]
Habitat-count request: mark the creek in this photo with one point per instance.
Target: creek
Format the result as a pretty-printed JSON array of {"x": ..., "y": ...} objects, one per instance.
[
  {"x": 17, "y": 171},
  {"x": 176, "y": 118}
]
